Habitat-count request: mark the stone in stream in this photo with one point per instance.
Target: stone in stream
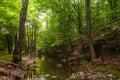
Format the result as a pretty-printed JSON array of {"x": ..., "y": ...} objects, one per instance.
[
  {"x": 72, "y": 77},
  {"x": 64, "y": 60},
  {"x": 36, "y": 78},
  {"x": 88, "y": 74},
  {"x": 42, "y": 77},
  {"x": 54, "y": 77},
  {"x": 47, "y": 75},
  {"x": 109, "y": 75},
  {"x": 81, "y": 74},
  {"x": 59, "y": 65}
]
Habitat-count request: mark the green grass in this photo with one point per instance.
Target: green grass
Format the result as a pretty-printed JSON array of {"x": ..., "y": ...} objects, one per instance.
[
  {"x": 113, "y": 69},
  {"x": 5, "y": 56},
  {"x": 103, "y": 68},
  {"x": 86, "y": 64}
]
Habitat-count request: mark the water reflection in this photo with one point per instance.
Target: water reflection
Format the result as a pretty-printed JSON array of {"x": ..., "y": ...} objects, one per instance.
[{"x": 48, "y": 68}]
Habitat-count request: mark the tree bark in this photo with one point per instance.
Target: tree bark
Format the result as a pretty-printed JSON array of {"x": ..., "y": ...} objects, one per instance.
[
  {"x": 9, "y": 40},
  {"x": 34, "y": 43},
  {"x": 80, "y": 23},
  {"x": 113, "y": 6},
  {"x": 17, "y": 54},
  {"x": 88, "y": 22}
]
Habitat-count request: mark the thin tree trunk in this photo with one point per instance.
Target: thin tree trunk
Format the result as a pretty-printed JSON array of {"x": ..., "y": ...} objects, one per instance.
[
  {"x": 113, "y": 6},
  {"x": 80, "y": 23},
  {"x": 88, "y": 13},
  {"x": 28, "y": 41},
  {"x": 9, "y": 41},
  {"x": 35, "y": 38},
  {"x": 17, "y": 54}
]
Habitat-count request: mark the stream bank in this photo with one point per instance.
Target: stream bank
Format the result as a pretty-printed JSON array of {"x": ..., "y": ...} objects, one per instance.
[{"x": 52, "y": 69}]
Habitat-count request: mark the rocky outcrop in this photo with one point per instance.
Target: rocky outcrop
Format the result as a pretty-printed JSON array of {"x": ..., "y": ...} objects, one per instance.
[
  {"x": 11, "y": 71},
  {"x": 81, "y": 72}
]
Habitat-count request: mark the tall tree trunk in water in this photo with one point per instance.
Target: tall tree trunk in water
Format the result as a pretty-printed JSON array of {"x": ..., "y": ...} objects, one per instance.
[
  {"x": 17, "y": 54},
  {"x": 88, "y": 21}
]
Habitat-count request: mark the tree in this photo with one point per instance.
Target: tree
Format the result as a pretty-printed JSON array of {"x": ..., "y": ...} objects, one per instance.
[
  {"x": 17, "y": 54},
  {"x": 113, "y": 6},
  {"x": 88, "y": 22}
]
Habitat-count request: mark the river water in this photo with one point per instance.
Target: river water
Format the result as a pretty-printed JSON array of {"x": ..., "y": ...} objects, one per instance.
[{"x": 48, "y": 68}]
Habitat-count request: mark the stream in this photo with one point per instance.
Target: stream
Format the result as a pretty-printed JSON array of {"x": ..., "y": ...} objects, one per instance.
[{"x": 48, "y": 69}]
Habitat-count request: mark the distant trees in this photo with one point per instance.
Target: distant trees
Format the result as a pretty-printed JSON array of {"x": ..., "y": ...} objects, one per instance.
[
  {"x": 8, "y": 24},
  {"x": 51, "y": 23}
]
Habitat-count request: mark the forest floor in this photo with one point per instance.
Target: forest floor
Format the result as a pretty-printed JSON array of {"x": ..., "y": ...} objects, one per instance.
[
  {"x": 9, "y": 71},
  {"x": 81, "y": 69},
  {"x": 106, "y": 70},
  {"x": 5, "y": 56}
]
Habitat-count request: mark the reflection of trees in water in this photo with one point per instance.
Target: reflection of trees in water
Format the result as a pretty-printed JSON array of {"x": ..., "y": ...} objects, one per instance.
[{"x": 47, "y": 67}]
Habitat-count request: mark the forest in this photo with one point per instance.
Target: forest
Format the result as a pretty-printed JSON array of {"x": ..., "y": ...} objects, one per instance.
[{"x": 59, "y": 39}]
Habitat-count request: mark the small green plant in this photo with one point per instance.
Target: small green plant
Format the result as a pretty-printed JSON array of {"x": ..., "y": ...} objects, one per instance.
[
  {"x": 5, "y": 56},
  {"x": 103, "y": 68},
  {"x": 115, "y": 70},
  {"x": 86, "y": 54},
  {"x": 86, "y": 64}
]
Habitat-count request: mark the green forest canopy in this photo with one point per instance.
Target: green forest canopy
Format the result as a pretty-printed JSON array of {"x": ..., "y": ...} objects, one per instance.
[{"x": 53, "y": 22}]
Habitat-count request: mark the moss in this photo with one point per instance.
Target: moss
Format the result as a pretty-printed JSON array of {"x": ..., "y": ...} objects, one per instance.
[
  {"x": 86, "y": 64},
  {"x": 86, "y": 55},
  {"x": 5, "y": 56},
  {"x": 115, "y": 70},
  {"x": 103, "y": 68}
]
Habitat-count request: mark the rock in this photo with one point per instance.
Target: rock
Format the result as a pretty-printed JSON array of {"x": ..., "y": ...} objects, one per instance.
[
  {"x": 18, "y": 73},
  {"x": 43, "y": 58},
  {"x": 43, "y": 78},
  {"x": 47, "y": 75},
  {"x": 82, "y": 74},
  {"x": 72, "y": 78},
  {"x": 54, "y": 77},
  {"x": 73, "y": 68},
  {"x": 73, "y": 74},
  {"x": 9, "y": 70},
  {"x": 63, "y": 60},
  {"x": 59, "y": 65},
  {"x": 29, "y": 60},
  {"x": 92, "y": 77},
  {"x": 4, "y": 78},
  {"x": 88, "y": 74},
  {"x": 83, "y": 78},
  {"x": 109, "y": 75}
]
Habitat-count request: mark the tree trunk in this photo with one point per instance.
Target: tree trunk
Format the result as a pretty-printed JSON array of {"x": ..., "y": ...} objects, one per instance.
[
  {"x": 28, "y": 40},
  {"x": 34, "y": 42},
  {"x": 88, "y": 13},
  {"x": 80, "y": 23},
  {"x": 113, "y": 6},
  {"x": 9, "y": 41},
  {"x": 17, "y": 54}
]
